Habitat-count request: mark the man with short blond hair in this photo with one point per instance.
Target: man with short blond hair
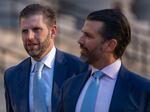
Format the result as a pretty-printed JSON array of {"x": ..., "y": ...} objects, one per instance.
[{"x": 34, "y": 84}]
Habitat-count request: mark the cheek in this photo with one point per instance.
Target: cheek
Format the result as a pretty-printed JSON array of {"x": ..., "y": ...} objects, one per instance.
[
  {"x": 23, "y": 39},
  {"x": 41, "y": 39},
  {"x": 92, "y": 45},
  {"x": 42, "y": 36},
  {"x": 38, "y": 37},
  {"x": 96, "y": 49}
]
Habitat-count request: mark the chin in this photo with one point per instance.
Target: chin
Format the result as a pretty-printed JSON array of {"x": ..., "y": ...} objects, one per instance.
[
  {"x": 84, "y": 59},
  {"x": 34, "y": 54}
]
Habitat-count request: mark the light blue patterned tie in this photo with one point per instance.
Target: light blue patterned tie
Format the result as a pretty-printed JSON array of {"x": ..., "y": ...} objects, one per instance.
[
  {"x": 89, "y": 101},
  {"x": 39, "y": 89}
]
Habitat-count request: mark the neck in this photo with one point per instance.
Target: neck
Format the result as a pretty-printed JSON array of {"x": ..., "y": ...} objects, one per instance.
[{"x": 103, "y": 63}]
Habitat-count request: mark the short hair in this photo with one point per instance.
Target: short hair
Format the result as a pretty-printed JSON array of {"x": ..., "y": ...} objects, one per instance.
[
  {"x": 115, "y": 26},
  {"x": 33, "y": 9}
]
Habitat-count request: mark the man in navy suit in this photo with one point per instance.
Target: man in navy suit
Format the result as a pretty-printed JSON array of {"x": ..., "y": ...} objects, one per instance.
[
  {"x": 38, "y": 28},
  {"x": 106, "y": 34}
]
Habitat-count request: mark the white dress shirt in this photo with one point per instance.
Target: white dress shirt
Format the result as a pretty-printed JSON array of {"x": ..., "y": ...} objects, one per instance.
[
  {"x": 107, "y": 84},
  {"x": 47, "y": 74}
]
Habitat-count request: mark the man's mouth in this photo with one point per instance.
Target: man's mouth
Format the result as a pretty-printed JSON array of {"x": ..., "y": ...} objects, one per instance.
[
  {"x": 83, "y": 51},
  {"x": 32, "y": 44}
]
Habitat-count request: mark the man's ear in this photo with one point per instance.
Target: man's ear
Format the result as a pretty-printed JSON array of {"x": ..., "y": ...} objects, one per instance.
[
  {"x": 53, "y": 32},
  {"x": 110, "y": 45}
]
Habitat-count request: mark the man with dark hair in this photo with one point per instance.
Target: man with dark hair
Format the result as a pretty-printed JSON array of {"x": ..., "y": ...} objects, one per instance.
[
  {"x": 34, "y": 84},
  {"x": 108, "y": 86}
]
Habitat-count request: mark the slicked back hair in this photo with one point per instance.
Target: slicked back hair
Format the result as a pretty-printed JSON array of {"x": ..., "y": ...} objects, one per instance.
[{"x": 116, "y": 26}]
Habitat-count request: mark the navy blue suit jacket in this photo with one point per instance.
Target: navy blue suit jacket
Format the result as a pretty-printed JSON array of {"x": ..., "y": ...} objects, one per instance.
[
  {"x": 16, "y": 80},
  {"x": 131, "y": 93}
]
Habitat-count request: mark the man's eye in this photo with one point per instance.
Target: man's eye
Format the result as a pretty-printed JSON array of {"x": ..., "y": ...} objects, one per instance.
[
  {"x": 37, "y": 29},
  {"x": 24, "y": 31},
  {"x": 87, "y": 35}
]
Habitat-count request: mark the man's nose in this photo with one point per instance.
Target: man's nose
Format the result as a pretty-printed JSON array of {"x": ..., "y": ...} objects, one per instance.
[
  {"x": 30, "y": 35},
  {"x": 81, "y": 41}
]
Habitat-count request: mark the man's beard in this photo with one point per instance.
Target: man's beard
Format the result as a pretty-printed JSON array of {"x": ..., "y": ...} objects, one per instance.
[
  {"x": 90, "y": 57},
  {"x": 42, "y": 47}
]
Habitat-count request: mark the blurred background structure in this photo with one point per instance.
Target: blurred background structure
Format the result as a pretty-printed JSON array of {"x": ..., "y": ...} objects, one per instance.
[{"x": 70, "y": 18}]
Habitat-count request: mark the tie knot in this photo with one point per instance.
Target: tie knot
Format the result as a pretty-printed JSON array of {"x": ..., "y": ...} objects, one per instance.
[
  {"x": 38, "y": 67},
  {"x": 98, "y": 74}
]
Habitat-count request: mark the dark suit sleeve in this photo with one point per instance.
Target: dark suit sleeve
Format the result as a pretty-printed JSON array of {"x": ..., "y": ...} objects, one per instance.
[
  {"x": 147, "y": 107},
  {"x": 7, "y": 97}
]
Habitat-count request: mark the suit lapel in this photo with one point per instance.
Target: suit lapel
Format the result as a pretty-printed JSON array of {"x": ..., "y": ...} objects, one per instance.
[
  {"x": 122, "y": 98},
  {"x": 74, "y": 91},
  {"x": 60, "y": 70},
  {"x": 22, "y": 94}
]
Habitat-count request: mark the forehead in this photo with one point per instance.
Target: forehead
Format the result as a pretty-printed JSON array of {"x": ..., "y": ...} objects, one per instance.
[
  {"x": 91, "y": 25},
  {"x": 33, "y": 20}
]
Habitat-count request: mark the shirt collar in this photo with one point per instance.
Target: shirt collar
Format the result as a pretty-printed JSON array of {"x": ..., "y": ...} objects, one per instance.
[
  {"x": 48, "y": 60},
  {"x": 110, "y": 70}
]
